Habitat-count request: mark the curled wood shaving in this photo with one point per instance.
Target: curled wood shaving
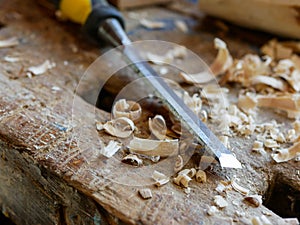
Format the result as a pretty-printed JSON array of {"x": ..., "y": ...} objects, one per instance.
[
  {"x": 129, "y": 109},
  {"x": 270, "y": 81},
  {"x": 178, "y": 164},
  {"x": 145, "y": 193},
  {"x": 189, "y": 172},
  {"x": 197, "y": 78},
  {"x": 121, "y": 127},
  {"x": 254, "y": 200},
  {"x": 182, "y": 179},
  {"x": 152, "y": 24},
  {"x": 285, "y": 155},
  {"x": 201, "y": 176},
  {"x": 223, "y": 60},
  {"x": 110, "y": 149},
  {"x": 287, "y": 70},
  {"x": 158, "y": 127},
  {"x": 160, "y": 178},
  {"x": 133, "y": 159},
  {"x": 10, "y": 42},
  {"x": 40, "y": 69},
  {"x": 163, "y": 148},
  {"x": 220, "y": 201},
  {"x": 238, "y": 188}
]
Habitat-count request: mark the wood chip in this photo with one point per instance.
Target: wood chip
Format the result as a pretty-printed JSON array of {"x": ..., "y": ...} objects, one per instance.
[
  {"x": 160, "y": 178},
  {"x": 10, "y": 42},
  {"x": 220, "y": 201},
  {"x": 42, "y": 68},
  {"x": 182, "y": 26},
  {"x": 145, "y": 193},
  {"x": 213, "y": 210},
  {"x": 254, "y": 200},
  {"x": 238, "y": 188},
  {"x": 152, "y": 24},
  {"x": 110, "y": 149}
]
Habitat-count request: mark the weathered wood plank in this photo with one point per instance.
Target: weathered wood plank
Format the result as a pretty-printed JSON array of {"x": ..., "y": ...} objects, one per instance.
[{"x": 50, "y": 147}]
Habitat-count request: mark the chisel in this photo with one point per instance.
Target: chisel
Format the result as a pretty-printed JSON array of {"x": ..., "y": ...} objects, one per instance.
[{"x": 102, "y": 21}]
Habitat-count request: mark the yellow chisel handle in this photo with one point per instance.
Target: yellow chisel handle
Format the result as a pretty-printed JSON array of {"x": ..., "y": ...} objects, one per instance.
[{"x": 89, "y": 13}]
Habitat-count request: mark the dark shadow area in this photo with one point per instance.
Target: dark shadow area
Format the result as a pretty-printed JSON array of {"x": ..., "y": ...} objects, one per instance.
[
  {"x": 5, "y": 221},
  {"x": 283, "y": 199}
]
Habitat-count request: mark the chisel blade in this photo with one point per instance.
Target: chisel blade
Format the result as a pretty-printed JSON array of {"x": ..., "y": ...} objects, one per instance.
[{"x": 182, "y": 112}]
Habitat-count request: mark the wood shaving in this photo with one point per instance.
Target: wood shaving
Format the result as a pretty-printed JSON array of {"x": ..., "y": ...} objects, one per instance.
[
  {"x": 40, "y": 69},
  {"x": 254, "y": 200},
  {"x": 182, "y": 179},
  {"x": 284, "y": 155},
  {"x": 158, "y": 127},
  {"x": 270, "y": 143},
  {"x": 189, "y": 172},
  {"x": 223, "y": 61},
  {"x": 291, "y": 135},
  {"x": 276, "y": 50},
  {"x": 247, "y": 102},
  {"x": 163, "y": 148},
  {"x": 197, "y": 78},
  {"x": 289, "y": 103},
  {"x": 238, "y": 188},
  {"x": 220, "y": 201},
  {"x": 177, "y": 52},
  {"x": 201, "y": 176},
  {"x": 145, "y": 193},
  {"x": 181, "y": 25},
  {"x": 160, "y": 178},
  {"x": 129, "y": 109},
  {"x": 152, "y": 24},
  {"x": 178, "y": 164},
  {"x": 111, "y": 149},
  {"x": 11, "y": 59},
  {"x": 213, "y": 210},
  {"x": 133, "y": 160},
  {"x": 10, "y": 42},
  {"x": 121, "y": 127},
  {"x": 258, "y": 146},
  {"x": 270, "y": 81}
]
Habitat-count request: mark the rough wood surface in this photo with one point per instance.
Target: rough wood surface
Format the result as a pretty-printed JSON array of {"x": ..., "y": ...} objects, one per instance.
[{"x": 50, "y": 168}]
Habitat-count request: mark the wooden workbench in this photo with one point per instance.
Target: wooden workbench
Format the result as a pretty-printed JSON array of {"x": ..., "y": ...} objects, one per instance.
[{"x": 48, "y": 177}]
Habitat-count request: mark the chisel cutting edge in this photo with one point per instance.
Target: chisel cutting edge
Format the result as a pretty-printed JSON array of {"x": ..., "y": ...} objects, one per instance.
[{"x": 101, "y": 20}]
